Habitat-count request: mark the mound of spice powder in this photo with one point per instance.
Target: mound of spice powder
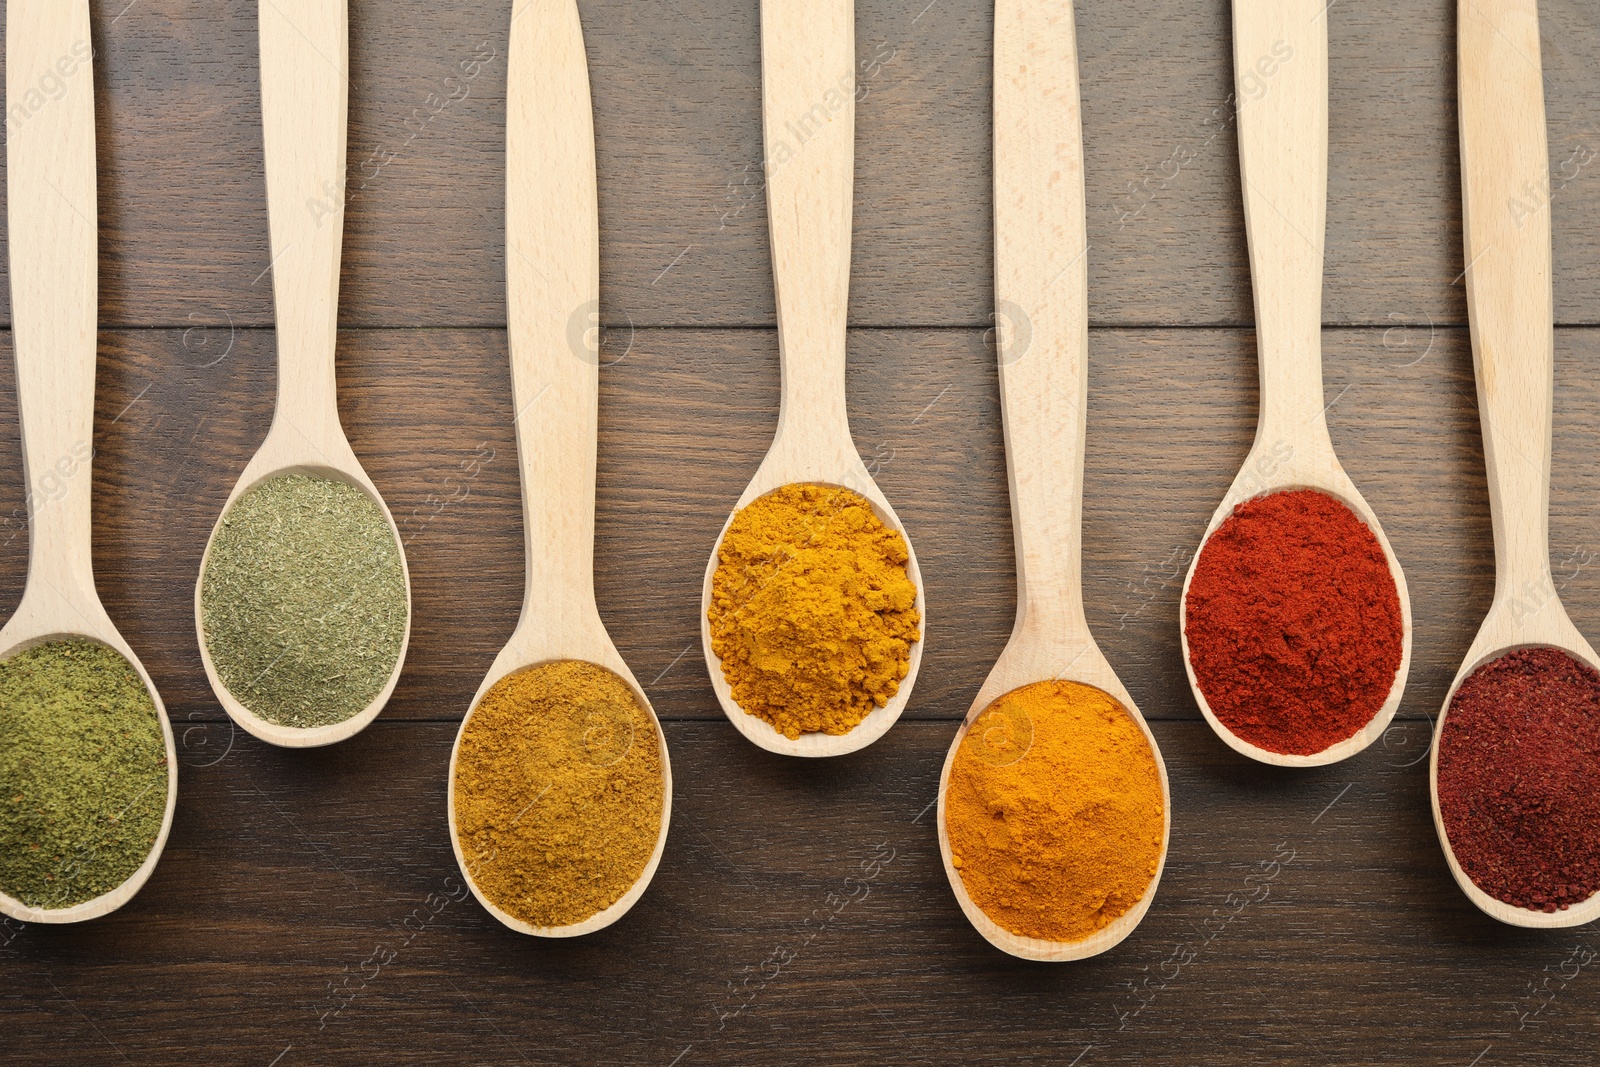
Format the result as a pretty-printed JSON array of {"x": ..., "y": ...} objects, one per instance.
[
  {"x": 1054, "y": 811},
  {"x": 1293, "y": 622},
  {"x": 1519, "y": 779},
  {"x": 83, "y": 773},
  {"x": 558, "y": 792},
  {"x": 812, "y": 612},
  {"x": 304, "y": 601}
]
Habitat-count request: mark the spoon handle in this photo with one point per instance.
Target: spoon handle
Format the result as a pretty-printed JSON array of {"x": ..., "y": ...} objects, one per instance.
[
  {"x": 808, "y": 114},
  {"x": 304, "y": 94},
  {"x": 52, "y": 211},
  {"x": 1042, "y": 303},
  {"x": 553, "y": 298},
  {"x": 1280, "y": 61},
  {"x": 1505, "y": 181}
]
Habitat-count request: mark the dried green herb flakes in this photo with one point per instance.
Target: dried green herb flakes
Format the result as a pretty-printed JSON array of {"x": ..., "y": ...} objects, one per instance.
[
  {"x": 83, "y": 773},
  {"x": 304, "y": 601}
]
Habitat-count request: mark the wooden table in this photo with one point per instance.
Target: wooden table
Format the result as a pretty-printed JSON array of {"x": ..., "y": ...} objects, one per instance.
[{"x": 307, "y": 912}]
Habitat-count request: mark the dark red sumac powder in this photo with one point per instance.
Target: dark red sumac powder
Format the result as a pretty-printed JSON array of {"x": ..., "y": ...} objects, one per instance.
[
  {"x": 1519, "y": 779},
  {"x": 1293, "y": 622}
]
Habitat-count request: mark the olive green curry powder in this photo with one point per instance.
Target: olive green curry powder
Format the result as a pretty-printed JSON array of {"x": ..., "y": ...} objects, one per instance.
[
  {"x": 558, "y": 792},
  {"x": 304, "y": 601},
  {"x": 83, "y": 773}
]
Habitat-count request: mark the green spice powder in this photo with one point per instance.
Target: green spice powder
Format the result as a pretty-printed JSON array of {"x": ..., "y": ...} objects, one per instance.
[
  {"x": 83, "y": 773},
  {"x": 304, "y": 601}
]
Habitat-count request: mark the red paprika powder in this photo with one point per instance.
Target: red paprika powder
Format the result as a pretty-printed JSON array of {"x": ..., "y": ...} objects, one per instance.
[
  {"x": 1519, "y": 779},
  {"x": 1293, "y": 622}
]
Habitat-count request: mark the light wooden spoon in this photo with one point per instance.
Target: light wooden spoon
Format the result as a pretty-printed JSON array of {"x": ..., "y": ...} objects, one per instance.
[
  {"x": 1510, "y": 302},
  {"x": 552, "y": 282},
  {"x": 304, "y": 93},
  {"x": 52, "y": 209},
  {"x": 808, "y": 113},
  {"x": 1042, "y": 282},
  {"x": 1280, "y": 55}
]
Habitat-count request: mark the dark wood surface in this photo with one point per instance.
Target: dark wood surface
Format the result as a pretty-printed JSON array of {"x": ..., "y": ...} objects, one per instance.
[{"x": 293, "y": 876}]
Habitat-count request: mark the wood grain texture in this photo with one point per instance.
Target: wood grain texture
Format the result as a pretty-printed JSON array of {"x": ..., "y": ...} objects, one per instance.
[
  {"x": 287, "y": 870},
  {"x": 685, "y": 417},
  {"x": 677, "y": 97},
  {"x": 1302, "y": 908}
]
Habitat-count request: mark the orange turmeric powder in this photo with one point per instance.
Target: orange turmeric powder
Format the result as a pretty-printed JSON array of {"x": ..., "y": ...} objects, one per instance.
[
  {"x": 812, "y": 612},
  {"x": 1054, "y": 811}
]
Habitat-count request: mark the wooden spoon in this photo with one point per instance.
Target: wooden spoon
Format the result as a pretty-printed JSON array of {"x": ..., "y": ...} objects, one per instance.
[
  {"x": 1042, "y": 286},
  {"x": 552, "y": 282},
  {"x": 1280, "y": 53},
  {"x": 808, "y": 112},
  {"x": 1510, "y": 302},
  {"x": 304, "y": 91},
  {"x": 52, "y": 209}
]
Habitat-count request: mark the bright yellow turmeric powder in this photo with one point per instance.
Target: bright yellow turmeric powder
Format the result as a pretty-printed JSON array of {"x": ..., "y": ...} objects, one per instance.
[
  {"x": 1054, "y": 811},
  {"x": 812, "y": 612}
]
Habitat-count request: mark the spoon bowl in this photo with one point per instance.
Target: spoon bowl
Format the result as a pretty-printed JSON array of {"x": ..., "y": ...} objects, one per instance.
[
  {"x": 44, "y": 618},
  {"x": 1280, "y": 50},
  {"x": 1042, "y": 273},
  {"x": 1324, "y": 475},
  {"x": 519, "y": 655},
  {"x": 51, "y": 205},
  {"x": 304, "y": 106},
  {"x": 274, "y": 461},
  {"x": 1510, "y": 304},
  {"x": 552, "y": 273},
  {"x": 1552, "y": 630},
  {"x": 807, "y": 56},
  {"x": 1032, "y": 656},
  {"x": 774, "y": 474}
]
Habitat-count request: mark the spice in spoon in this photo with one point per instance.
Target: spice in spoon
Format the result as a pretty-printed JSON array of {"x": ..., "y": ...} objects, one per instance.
[
  {"x": 304, "y": 601},
  {"x": 1519, "y": 779},
  {"x": 83, "y": 773},
  {"x": 1293, "y": 623},
  {"x": 1054, "y": 811},
  {"x": 812, "y": 614},
  {"x": 558, "y": 792}
]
